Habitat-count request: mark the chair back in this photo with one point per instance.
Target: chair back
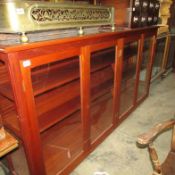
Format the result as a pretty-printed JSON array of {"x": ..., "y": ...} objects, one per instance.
[{"x": 173, "y": 140}]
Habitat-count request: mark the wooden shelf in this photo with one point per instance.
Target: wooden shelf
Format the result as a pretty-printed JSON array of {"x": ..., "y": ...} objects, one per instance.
[
  {"x": 9, "y": 115},
  {"x": 6, "y": 90},
  {"x": 46, "y": 78},
  {"x": 59, "y": 103},
  {"x": 69, "y": 71},
  {"x": 54, "y": 75}
]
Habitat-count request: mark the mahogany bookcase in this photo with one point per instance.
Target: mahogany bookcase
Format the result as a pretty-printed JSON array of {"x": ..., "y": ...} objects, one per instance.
[{"x": 62, "y": 97}]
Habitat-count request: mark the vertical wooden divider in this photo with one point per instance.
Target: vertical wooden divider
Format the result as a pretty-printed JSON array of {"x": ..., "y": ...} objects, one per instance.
[
  {"x": 117, "y": 79},
  {"x": 22, "y": 88},
  {"x": 85, "y": 94},
  {"x": 138, "y": 66}
]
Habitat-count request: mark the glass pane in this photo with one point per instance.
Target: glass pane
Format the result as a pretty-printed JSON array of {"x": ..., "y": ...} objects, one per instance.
[
  {"x": 128, "y": 77},
  {"x": 171, "y": 54},
  {"x": 158, "y": 60},
  {"x": 142, "y": 86},
  {"x": 57, "y": 97},
  {"x": 102, "y": 80}
]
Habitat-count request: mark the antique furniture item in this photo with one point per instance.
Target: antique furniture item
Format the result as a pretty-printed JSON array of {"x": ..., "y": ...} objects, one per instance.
[
  {"x": 147, "y": 139},
  {"x": 171, "y": 21},
  {"x": 25, "y": 16},
  {"x": 62, "y": 96},
  {"x": 135, "y": 13},
  {"x": 164, "y": 13}
]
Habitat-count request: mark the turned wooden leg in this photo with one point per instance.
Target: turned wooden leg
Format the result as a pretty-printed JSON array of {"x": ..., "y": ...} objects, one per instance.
[{"x": 154, "y": 159}]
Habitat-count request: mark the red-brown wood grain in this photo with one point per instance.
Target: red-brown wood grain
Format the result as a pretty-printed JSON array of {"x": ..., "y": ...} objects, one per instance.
[{"x": 65, "y": 82}]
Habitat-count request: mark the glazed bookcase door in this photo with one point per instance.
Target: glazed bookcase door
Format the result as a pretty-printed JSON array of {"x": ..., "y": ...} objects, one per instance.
[
  {"x": 101, "y": 91},
  {"x": 144, "y": 68},
  {"x": 56, "y": 88},
  {"x": 10, "y": 118},
  {"x": 128, "y": 77}
]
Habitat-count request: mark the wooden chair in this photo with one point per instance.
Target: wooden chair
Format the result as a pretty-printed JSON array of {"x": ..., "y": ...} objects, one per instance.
[
  {"x": 8, "y": 143},
  {"x": 147, "y": 139}
]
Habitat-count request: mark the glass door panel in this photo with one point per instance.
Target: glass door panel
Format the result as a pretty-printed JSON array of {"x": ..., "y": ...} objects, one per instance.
[
  {"x": 158, "y": 59},
  {"x": 57, "y": 97},
  {"x": 171, "y": 54},
  {"x": 127, "y": 90},
  {"x": 142, "y": 86},
  {"x": 102, "y": 83}
]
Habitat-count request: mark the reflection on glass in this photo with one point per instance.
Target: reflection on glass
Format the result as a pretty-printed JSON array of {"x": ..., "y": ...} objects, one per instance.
[
  {"x": 171, "y": 54},
  {"x": 128, "y": 77},
  {"x": 142, "y": 86},
  {"x": 57, "y": 97},
  {"x": 102, "y": 80},
  {"x": 158, "y": 60}
]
